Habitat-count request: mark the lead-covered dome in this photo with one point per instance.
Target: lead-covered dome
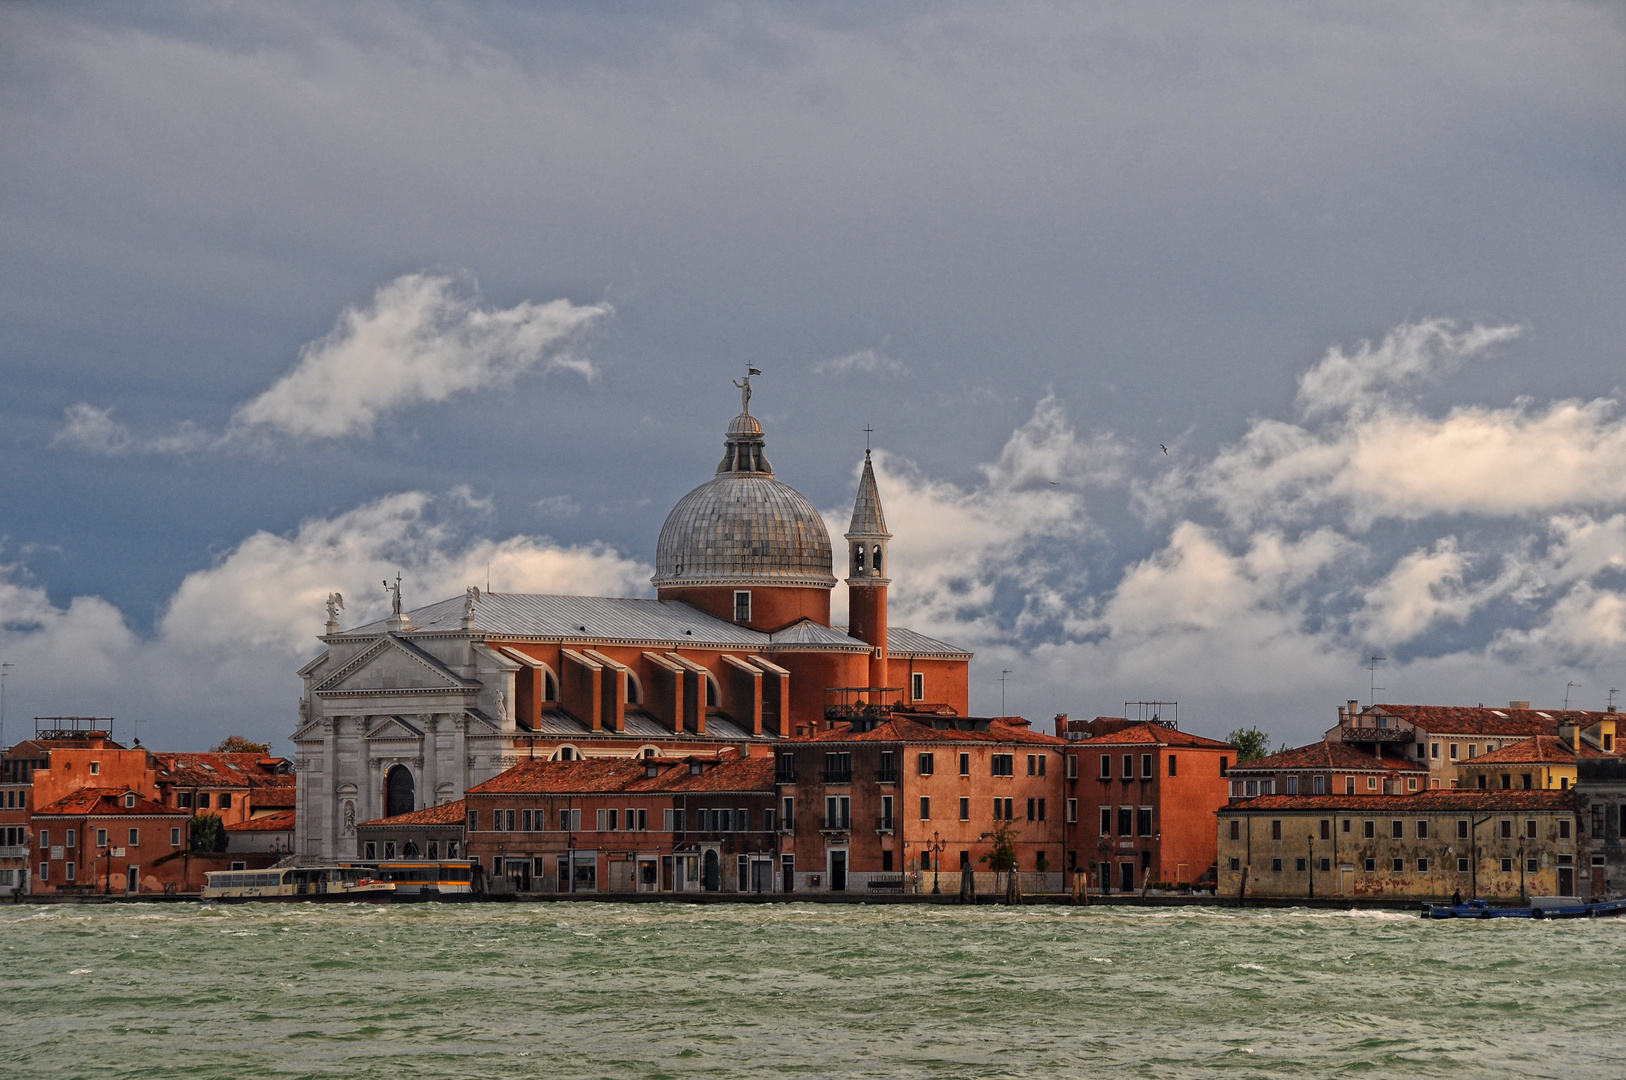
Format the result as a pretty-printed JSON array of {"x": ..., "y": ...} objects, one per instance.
[{"x": 744, "y": 526}]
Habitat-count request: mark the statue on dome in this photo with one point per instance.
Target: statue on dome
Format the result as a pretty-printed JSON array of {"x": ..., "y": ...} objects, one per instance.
[
  {"x": 745, "y": 389},
  {"x": 395, "y": 596}
]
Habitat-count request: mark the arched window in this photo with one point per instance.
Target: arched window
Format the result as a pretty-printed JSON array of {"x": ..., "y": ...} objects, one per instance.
[
  {"x": 410, "y": 851},
  {"x": 568, "y": 753},
  {"x": 875, "y": 560},
  {"x": 712, "y": 698},
  {"x": 635, "y": 692},
  {"x": 399, "y": 791},
  {"x": 550, "y": 687},
  {"x": 858, "y": 558}
]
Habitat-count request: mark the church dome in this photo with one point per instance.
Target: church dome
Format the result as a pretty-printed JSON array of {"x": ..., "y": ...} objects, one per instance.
[{"x": 743, "y": 526}]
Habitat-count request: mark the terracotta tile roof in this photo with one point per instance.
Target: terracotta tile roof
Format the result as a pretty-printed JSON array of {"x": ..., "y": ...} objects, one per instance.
[
  {"x": 608, "y": 776},
  {"x": 1462, "y": 720},
  {"x": 450, "y": 813},
  {"x": 1329, "y": 754},
  {"x": 1152, "y": 735},
  {"x": 1540, "y": 750},
  {"x": 1443, "y": 799},
  {"x": 753, "y": 774},
  {"x": 100, "y": 802},
  {"x": 281, "y": 821},
  {"x": 279, "y": 796},
  {"x": 222, "y": 770},
  {"x": 911, "y": 730}
]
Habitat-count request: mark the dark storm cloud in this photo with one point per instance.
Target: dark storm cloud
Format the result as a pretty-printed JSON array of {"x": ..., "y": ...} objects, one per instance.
[{"x": 925, "y": 218}]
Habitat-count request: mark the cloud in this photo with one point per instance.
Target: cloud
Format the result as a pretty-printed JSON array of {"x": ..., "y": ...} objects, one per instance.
[
  {"x": 1350, "y": 382},
  {"x": 419, "y": 340},
  {"x": 92, "y": 430},
  {"x": 863, "y": 362}
]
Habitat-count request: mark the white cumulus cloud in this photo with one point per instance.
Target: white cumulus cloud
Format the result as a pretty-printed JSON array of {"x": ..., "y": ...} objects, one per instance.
[
  {"x": 420, "y": 340},
  {"x": 863, "y": 362}
]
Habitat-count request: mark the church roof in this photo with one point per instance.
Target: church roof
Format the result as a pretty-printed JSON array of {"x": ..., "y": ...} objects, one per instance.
[{"x": 868, "y": 520}]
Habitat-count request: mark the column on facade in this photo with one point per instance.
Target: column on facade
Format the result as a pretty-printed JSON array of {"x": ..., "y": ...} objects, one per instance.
[
  {"x": 741, "y": 687},
  {"x": 579, "y": 689}
]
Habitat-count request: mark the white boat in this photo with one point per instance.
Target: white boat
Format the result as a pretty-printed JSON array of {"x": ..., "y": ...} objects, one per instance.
[{"x": 318, "y": 884}]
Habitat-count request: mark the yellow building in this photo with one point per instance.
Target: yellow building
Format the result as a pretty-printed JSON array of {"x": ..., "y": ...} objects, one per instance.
[{"x": 1431, "y": 845}]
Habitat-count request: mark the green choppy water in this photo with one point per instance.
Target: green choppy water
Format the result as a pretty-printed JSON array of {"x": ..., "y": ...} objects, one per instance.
[{"x": 645, "y": 991}]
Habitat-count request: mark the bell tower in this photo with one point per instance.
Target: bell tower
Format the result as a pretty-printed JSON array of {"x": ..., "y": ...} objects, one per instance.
[{"x": 867, "y": 566}]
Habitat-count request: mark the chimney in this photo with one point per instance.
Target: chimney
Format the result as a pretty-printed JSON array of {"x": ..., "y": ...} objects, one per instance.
[
  {"x": 1566, "y": 735},
  {"x": 1518, "y": 704},
  {"x": 1341, "y": 715},
  {"x": 1354, "y": 708},
  {"x": 1061, "y": 725}
]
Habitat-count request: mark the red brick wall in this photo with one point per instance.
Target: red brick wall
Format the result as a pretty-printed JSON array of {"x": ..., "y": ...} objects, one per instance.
[{"x": 773, "y": 607}]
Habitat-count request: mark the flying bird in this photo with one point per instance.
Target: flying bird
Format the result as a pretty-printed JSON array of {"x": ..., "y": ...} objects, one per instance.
[{"x": 1163, "y": 448}]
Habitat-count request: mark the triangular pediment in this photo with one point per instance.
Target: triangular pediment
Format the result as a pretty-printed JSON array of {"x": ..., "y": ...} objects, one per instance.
[
  {"x": 392, "y": 664},
  {"x": 395, "y": 728}
]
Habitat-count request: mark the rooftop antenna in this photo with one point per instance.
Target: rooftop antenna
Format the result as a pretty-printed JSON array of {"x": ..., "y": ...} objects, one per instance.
[
  {"x": 1567, "y": 687},
  {"x": 3, "y": 674},
  {"x": 1003, "y": 675},
  {"x": 1612, "y": 693},
  {"x": 1372, "y": 680}
]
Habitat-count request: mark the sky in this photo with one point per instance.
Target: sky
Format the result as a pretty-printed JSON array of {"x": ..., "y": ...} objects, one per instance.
[{"x": 1210, "y": 350}]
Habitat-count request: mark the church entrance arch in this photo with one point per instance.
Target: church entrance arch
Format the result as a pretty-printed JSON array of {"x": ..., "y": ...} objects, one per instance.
[{"x": 399, "y": 791}]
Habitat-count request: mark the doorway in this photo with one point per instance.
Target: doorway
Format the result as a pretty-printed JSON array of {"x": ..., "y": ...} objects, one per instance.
[
  {"x": 1599, "y": 883},
  {"x": 1126, "y": 877},
  {"x": 761, "y": 875},
  {"x": 134, "y": 874},
  {"x": 838, "y": 871},
  {"x": 713, "y": 871},
  {"x": 787, "y": 871},
  {"x": 399, "y": 791},
  {"x": 1566, "y": 881},
  {"x": 1346, "y": 880}
]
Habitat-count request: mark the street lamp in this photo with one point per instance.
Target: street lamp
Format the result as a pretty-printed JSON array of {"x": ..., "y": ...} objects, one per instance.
[{"x": 936, "y": 848}]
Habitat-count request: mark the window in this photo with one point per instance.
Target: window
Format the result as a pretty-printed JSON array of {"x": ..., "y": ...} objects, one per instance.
[
  {"x": 129, "y": 800},
  {"x": 203, "y": 800},
  {"x": 1422, "y": 830},
  {"x": 1042, "y": 759},
  {"x": 1326, "y": 829},
  {"x": 965, "y": 809},
  {"x": 175, "y": 837},
  {"x": 1398, "y": 865},
  {"x": 787, "y": 812},
  {"x": 70, "y": 871},
  {"x": 1126, "y": 821},
  {"x": 1597, "y": 817},
  {"x": 742, "y": 605},
  {"x": 135, "y": 837},
  {"x": 1276, "y": 866},
  {"x": 1143, "y": 821},
  {"x": 389, "y": 849},
  {"x": 1563, "y": 828},
  {"x": 1033, "y": 809},
  {"x": 1462, "y": 829},
  {"x": 1411, "y": 783},
  {"x": 1072, "y": 811},
  {"x": 1106, "y": 766},
  {"x": 1453, "y": 752},
  {"x": 45, "y": 871},
  {"x": 1292, "y": 785},
  {"x": 1033, "y": 764},
  {"x": 1300, "y": 865},
  {"x": 1173, "y": 771},
  {"x": 1473, "y": 751},
  {"x": 768, "y": 823},
  {"x": 837, "y": 812},
  {"x": 1041, "y": 810},
  {"x": 1225, "y": 764},
  {"x": 917, "y": 684},
  {"x": 183, "y": 800},
  {"x": 101, "y": 838},
  {"x": 1462, "y": 866},
  {"x": 474, "y": 820},
  {"x": 965, "y": 764},
  {"x": 1236, "y": 863},
  {"x": 1008, "y": 815},
  {"x": 1422, "y": 866},
  {"x": 1532, "y": 865},
  {"x": 925, "y": 764},
  {"x": 1146, "y": 771},
  {"x": 1507, "y": 866},
  {"x": 925, "y": 808},
  {"x": 1397, "y": 829},
  {"x": 1072, "y": 766},
  {"x": 1369, "y": 829},
  {"x": 1434, "y": 750},
  {"x": 370, "y": 850},
  {"x": 1422, "y": 751},
  {"x": 1371, "y": 783},
  {"x": 1236, "y": 829},
  {"x": 1505, "y": 827},
  {"x": 1129, "y": 766},
  {"x": 1349, "y": 785},
  {"x": 45, "y": 838},
  {"x": 73, "y": 838},
  {"x": 1326, "y": 864},
  {"x": 1002, "y": 764},
  {"x": 999, "y": 805},
  {"x": 571, "y": 820},
  {"x": 225, "y": 800},
  {"x": 95, "y": 768},
  {"x": 1106, "y": 821},
  {"x": 886, "y": 772},
  {"x": 1370, "y": 866},
  {"x": 1276, "y": 830}
]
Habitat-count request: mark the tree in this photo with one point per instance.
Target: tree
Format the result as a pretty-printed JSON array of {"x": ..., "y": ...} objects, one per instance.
[
  {"x": 236, "y": 744},
  {"x": 1002, "y": 858},
  {"x": 208, "y": 833},
  {"x": 1251, "y": 744}
]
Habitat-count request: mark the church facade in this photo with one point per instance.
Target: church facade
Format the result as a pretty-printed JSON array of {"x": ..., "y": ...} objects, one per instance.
[{"x": 736, "y": 651}]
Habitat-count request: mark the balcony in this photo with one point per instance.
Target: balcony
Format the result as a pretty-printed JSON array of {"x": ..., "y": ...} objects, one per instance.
[
  {"x": 1376, "y": 735},
  {"x": 886, "y": 776},
  {"x": 835, "y": 824},
  {"x": 836, "y": 776},
  {"x": 784, "y": 776},
  {"x": 13, "y": 852},
  {"x": 883, "y": 825}
]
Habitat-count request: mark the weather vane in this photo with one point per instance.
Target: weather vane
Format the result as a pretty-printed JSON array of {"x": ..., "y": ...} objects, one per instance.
[{"x": 745, "y": 388}]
